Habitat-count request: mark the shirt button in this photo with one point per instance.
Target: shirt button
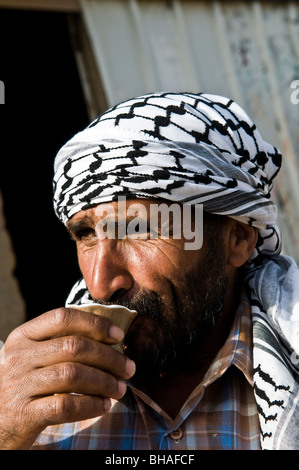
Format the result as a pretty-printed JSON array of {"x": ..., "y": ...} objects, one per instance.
[{"x": 176, "y": 434}]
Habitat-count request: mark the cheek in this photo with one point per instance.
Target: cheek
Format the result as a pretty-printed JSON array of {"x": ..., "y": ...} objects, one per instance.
[
  {"x": 166, "y": 259},
  {"x": 153, "y": 262},
  {"x": 147, "y": 269},
  {"x": 85, "y": 259},
  {"x": 163, "y": 266},
  {"x": 156, "y": 265},
  {"x": 90, "y": 266}
]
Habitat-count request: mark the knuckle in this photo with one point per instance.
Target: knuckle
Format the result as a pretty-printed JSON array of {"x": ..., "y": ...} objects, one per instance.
[
  {"x": 15, "y": 334},
  {"x": 73, "y": 345},
  {"x": 19, "y": 334},
  {"x": 62, "y": 407},
  {"x": 61, "y": 316},
  {"x": 68, "y": 373}
]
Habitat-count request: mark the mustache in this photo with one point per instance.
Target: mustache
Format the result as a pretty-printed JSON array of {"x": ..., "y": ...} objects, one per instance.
[{"x": 146, "y": 303}]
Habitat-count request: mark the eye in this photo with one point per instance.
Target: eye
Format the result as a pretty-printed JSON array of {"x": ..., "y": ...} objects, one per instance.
[{"x": 85, "y": 235}]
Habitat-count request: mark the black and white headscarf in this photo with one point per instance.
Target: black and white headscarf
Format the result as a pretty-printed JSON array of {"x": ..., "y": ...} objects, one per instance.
[{"x": 200, "y": 149}]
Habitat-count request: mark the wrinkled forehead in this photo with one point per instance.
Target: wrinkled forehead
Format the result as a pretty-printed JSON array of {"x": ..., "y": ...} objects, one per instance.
[{"x": 139, "y": 209}]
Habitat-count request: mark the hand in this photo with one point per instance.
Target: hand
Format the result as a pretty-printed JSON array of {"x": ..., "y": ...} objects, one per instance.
[{"x": 58, "y": 368}]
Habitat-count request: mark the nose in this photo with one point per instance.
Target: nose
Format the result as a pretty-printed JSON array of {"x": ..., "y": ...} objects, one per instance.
[{"x": 106, "y": 271}]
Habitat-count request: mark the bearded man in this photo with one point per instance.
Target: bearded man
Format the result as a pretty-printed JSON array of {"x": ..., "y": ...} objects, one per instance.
[{"x": 210, "y": 359}]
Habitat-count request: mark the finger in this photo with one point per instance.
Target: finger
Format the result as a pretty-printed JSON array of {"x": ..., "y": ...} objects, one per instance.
[
  {"x": 68, "y": 321},
  {"x": 71, "y": 377},
  {"x": 66, "y": 408},
  {"x": 82, "y": 350},
  {"x": 52, "y": 410}
]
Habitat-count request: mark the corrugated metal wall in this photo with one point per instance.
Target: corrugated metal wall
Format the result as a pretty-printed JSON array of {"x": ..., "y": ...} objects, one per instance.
[{"x": 248, "y": 51}]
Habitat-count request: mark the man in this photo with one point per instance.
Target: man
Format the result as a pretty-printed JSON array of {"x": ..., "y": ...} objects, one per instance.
[{"x": 211, "y": 358}]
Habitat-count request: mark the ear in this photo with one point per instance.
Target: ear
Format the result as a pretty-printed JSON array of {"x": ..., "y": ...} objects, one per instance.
[{"x": 242, "y": 240}]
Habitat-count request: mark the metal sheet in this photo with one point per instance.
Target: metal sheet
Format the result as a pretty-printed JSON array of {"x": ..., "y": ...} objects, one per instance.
[
  {"x": 67, "y": 6},
  {"x": 246, "y": 50}
]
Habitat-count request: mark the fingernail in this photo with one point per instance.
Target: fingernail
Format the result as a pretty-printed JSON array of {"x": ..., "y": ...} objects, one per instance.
[
  {"x": 116, "y": 333},
  {"x": 122, "y": 386},
  {"x": 130, "y": 367}
]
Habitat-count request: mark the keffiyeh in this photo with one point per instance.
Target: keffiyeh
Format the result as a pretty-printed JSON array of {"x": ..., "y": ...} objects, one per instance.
[
  {"x": 180, "y": 147},
  {"x": 200, "y": 149}
]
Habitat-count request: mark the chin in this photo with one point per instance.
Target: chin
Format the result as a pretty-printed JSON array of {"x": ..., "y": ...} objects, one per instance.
[{"x": 143, "y": 343}]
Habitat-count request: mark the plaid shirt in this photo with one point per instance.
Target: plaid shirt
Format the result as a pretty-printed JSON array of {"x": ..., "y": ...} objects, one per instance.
[{"x": 221, "y": 412}]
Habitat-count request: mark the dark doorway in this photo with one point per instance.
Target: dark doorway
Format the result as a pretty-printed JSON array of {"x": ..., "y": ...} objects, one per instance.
[{"x": 44, "y": 107}]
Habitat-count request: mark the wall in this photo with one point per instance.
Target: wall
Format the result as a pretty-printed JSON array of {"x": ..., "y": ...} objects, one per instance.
[
  {"x": 248, "y": 51},
  {"x": 44, "y": 106}
]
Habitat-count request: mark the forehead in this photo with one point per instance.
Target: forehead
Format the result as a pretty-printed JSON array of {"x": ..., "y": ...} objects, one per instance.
[{"x": 119, "y": 208}]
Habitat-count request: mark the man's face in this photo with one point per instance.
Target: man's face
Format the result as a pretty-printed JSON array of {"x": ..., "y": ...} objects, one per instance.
[{"x": 177, "y": 293}]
